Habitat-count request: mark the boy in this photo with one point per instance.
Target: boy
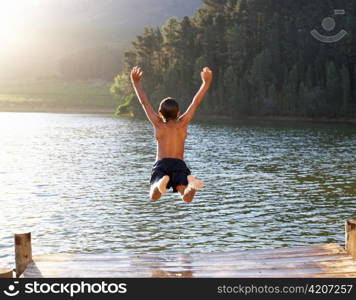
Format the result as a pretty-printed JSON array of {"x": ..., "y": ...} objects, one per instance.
[{"x": 170, "y": 130}]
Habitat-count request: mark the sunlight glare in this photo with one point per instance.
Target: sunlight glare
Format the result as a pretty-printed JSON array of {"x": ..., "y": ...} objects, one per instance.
[{"x": 13, "y": 25}]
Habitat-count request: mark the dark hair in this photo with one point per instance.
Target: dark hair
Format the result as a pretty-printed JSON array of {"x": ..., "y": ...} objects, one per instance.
[{"x": 169, "y": 109}]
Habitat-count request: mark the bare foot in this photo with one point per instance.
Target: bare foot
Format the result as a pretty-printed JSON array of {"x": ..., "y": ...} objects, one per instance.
[
  {"x": 189, "y": 194},
  {"x": 162, "y": 184},
  {"x": 194, "y": 183}
]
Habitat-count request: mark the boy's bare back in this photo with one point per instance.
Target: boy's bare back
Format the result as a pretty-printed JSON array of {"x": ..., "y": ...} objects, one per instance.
[{"x": 170, "y": 138}]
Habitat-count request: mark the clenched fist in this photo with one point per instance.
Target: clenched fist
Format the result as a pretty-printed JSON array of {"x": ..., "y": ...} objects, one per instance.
[{"x": 207, "y": 75}]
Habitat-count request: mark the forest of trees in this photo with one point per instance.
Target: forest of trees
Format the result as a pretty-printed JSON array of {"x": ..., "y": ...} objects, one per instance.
[{"x": 265, "y": 61}]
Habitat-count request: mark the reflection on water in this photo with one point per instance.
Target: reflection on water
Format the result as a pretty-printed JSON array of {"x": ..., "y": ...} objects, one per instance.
[{"x": 79, "y": 183}]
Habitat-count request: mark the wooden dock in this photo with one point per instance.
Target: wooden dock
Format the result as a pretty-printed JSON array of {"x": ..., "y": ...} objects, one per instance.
[{"x": 314, "y": 261}]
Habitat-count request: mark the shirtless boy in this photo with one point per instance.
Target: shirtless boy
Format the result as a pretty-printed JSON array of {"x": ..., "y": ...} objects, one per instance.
[{"x": 170, "y": 130}]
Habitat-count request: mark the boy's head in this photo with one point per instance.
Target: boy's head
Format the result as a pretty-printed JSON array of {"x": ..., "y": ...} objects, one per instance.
[{"x": 169, "y": 109}]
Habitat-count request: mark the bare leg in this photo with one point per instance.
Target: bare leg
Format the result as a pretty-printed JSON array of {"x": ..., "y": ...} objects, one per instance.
[
  {"x": 159, "y": 188},
  {"x": 195, "y": 183},
  {"x": 187, "y": 193}
]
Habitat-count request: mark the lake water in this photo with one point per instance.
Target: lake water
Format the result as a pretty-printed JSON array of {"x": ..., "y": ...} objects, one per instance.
[{"x": 79, "y": 183}]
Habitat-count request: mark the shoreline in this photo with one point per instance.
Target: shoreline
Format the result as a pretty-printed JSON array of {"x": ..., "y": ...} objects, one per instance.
[
  {"x": 201, "y": 118},
  {"x": 269, "y": 119},
  {"x": 59, "y": 110}
]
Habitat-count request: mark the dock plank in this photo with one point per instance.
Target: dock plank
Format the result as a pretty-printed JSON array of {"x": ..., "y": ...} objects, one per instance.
[{"x": 328, "y": 260}]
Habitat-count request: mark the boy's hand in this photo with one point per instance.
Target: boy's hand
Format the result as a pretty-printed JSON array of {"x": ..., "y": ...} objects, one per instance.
[
  {"x": 206, "y": 75},
  {"x": 207, "y": 78},
  {"x": 136, "y": 74}
]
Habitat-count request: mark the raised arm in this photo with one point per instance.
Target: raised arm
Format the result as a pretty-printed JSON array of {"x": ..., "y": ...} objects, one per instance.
[
  {"x": 207, "y": 77},
  {"x": 136, "y": 76}
]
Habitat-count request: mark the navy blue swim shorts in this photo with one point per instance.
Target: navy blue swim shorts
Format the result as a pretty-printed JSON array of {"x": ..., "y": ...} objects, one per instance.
[{"x": 176, "y": 169}]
